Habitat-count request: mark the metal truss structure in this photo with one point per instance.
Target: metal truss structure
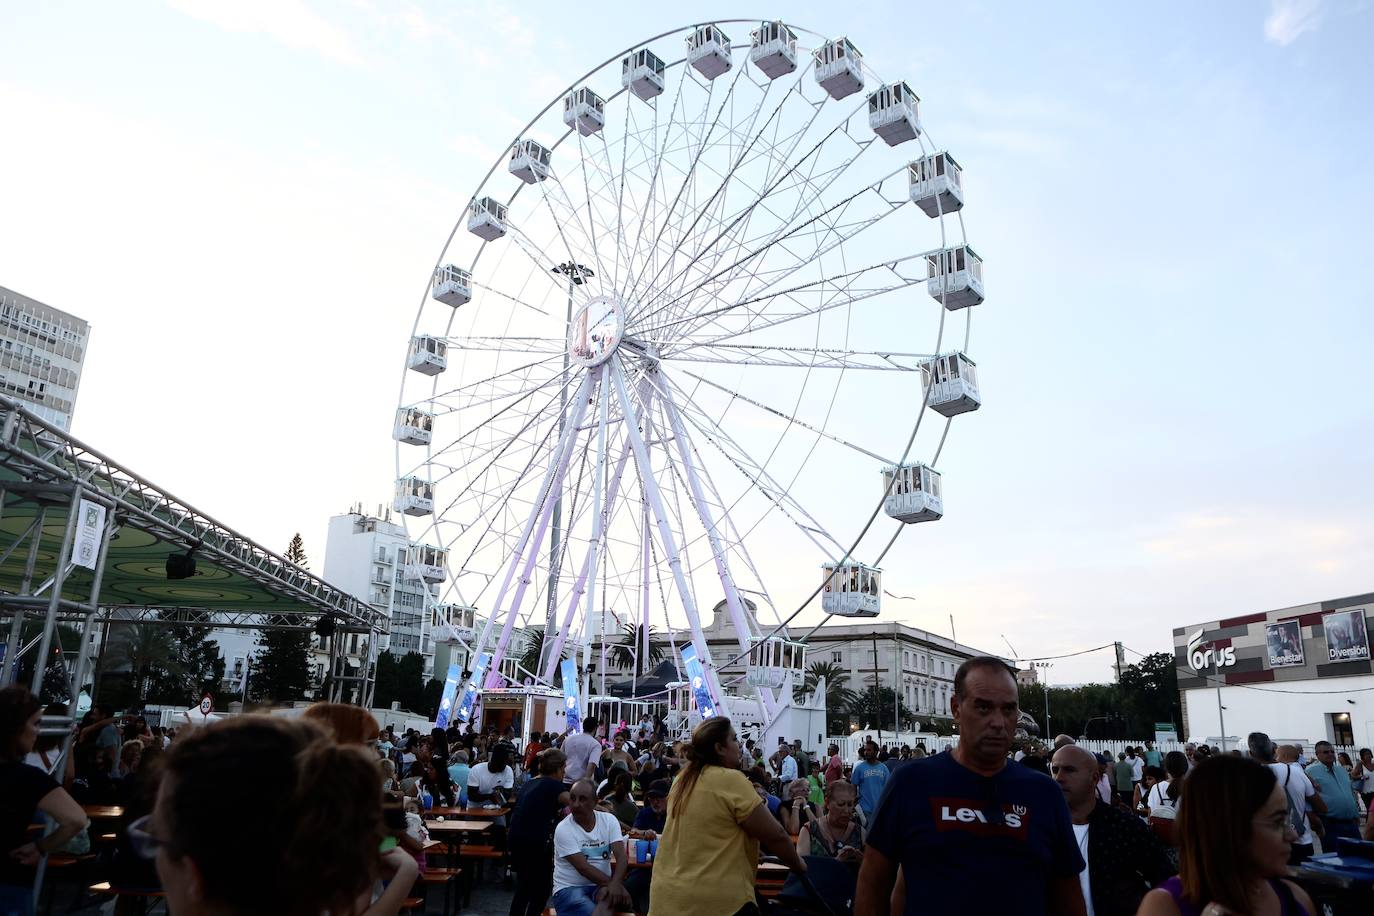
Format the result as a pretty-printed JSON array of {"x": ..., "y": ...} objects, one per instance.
[{"x": 46, "y": 475}]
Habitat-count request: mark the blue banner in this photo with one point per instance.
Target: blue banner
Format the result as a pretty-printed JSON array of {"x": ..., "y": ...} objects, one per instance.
[
  {"x": 469, "y": 699},
  {"x": 455, "y": 674},
  {"x": 696, "y": 675},
  {"x": 569, "y": 669}
]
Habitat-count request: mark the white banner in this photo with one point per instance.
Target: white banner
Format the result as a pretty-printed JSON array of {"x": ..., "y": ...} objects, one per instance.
[{"x": 90, "y": 529}]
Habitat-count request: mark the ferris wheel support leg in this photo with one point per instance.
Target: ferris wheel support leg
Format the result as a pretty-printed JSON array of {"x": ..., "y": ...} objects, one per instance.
[
  {"x": 743, "y": 628},
  {"x": 665, "y": 533},
  {"x": 551, "y": 482},
  {"x": 580, "y": 588}
]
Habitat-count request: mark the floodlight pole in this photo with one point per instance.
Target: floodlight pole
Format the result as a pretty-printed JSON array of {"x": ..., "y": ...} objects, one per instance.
[{"x": 576, "y": 274}]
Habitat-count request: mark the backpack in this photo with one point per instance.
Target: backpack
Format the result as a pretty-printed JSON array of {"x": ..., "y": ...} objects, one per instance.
[{"x": 1296, "y": 816}]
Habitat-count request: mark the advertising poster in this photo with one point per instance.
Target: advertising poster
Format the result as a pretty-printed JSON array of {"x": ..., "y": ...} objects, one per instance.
[
  {"x": 696, "y": 675},
  {"x": 90, "y": 531},
  {"x": 1347, "y": 639},
  {"x": 469, "y": 699},
  {"x": 1284, "y": 640},
  {"x": 569, "y": 669},
  {"x": 455, "y": 674}
]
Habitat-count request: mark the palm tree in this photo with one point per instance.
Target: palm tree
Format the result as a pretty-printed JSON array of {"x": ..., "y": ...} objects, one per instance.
[
  {"x": 838, "y": 696},
  {"x": 630, "y": 650},
  {"x": 531, "y": 649},
  {"x": 143, "y": 649}
]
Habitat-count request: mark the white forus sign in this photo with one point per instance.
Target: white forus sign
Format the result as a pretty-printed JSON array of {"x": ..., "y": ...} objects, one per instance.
[{"x": 1201, "y": 659}]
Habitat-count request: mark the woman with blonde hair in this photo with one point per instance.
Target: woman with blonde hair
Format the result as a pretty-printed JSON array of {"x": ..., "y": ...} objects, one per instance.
[
  {"x": 708, "y": 855},
  {"x": 350, "y": 724}
]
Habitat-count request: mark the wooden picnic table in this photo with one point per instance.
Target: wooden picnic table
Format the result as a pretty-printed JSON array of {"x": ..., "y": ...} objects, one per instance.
[
  {"x": 103, "y": 812},
  {"x": 439, "y": 811},
  {"x": 457, "y": 826}
]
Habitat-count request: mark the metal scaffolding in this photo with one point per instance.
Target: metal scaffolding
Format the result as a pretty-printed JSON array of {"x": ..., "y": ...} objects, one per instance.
[{"x": 75, "y": 525}]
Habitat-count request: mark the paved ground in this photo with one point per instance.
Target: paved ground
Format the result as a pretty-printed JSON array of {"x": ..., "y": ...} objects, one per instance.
[{"x": 488, "y": 899}]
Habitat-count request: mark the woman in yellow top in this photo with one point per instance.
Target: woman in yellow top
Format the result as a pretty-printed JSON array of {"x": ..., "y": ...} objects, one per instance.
[{"x": 708, "y": 854}]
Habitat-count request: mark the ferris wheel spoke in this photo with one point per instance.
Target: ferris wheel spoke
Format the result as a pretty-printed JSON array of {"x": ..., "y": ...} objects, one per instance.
[
  {"x": 701, "y": 145},
  {"x": 799, "y": 357},
  {"x": 809, "y": 191},
  {"x": 519, "y": 398},
  {"x": 653, "y": 156},
  {"x": 489, "y": 380},
  {"x": 539, "y": 345},
  {"x": 784, "y": 415},
  {"x": 753, "y": 137},
  {"x": 741, "y": 218},
  {"x": 753, "y": 293},
  {"x": 729, "y": 272},
  {"x": 486, "y": 288},
  {"x": 755, "y": 473},
  {"x": 508, "y": 488},
  {"x": 757, "y": 315}
]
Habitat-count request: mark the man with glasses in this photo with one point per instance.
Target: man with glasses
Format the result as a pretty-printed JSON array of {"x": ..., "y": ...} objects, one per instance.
[
  {"x": 1342, "y": 815},
  {"x": 970, "y": 833}
]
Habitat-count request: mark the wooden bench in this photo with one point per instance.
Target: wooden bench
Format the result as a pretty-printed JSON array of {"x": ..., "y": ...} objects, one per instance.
[
  {"x": 105, "y": 889},
  {"x": 478, "y": 852},
  {"x": 448, "y": 877},
  {"x": 143, "y": 895}
]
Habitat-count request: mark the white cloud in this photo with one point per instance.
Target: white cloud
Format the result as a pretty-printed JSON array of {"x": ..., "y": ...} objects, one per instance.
[
  {"x": 290, "y": 22},
  {"x": 1288, "y": 19}
]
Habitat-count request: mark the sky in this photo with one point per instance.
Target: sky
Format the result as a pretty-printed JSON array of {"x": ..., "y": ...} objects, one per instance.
[{"x": 245, "y": 201}]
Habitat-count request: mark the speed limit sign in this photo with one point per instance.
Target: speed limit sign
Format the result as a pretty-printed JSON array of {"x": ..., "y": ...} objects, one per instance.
[{"x": 206, "y": 705}]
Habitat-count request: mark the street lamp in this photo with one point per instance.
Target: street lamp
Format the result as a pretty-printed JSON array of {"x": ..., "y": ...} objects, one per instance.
[
  {"x": 1045, "y": 667},
  {"x": 577, "y": 274}
]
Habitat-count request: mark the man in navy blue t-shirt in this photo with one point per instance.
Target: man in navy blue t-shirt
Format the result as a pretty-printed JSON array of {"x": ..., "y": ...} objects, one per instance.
[{"x": 972, "y": 835}]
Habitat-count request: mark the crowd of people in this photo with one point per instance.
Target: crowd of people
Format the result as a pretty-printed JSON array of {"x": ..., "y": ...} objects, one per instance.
[{"x": 327, "y": 813}]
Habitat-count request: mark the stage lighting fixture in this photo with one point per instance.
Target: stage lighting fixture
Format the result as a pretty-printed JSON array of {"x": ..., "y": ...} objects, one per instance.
[
  {"x": 325, "y": 626},
  {"x": 181, "y": 565}
]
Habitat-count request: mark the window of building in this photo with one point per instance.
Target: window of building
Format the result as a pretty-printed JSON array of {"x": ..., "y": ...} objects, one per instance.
[
  {"x": 837, "y": 657},
  {"x": 1341, "y": 730}
]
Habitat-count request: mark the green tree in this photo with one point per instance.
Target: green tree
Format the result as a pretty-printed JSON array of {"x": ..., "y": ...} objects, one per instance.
[
  {"x": 1150, "y": 689},
  {"x": 410, "y": 677},
  {"x": 281, "y": 670},
  {"x": 876, "y": 707},
  {"x": 386, "y": 681},
  {"x": 629, "y": 651},
  {"x": 197, "y": 667},
  {"x": 434, "y": 692}
]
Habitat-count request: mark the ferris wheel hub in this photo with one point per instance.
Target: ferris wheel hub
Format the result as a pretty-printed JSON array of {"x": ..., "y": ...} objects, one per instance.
[{"x": 596, "y": 331}]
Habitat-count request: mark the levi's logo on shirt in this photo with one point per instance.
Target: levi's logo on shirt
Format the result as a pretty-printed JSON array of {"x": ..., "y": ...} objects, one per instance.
[{"x": 980, "y": 818}]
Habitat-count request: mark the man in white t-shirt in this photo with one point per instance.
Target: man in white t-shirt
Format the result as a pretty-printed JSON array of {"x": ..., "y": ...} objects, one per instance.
[
  {"x": 589, "y": 861},
  {"x": 1301, "y": 792},
  {"x": 583, "y": 751},
  {"x": 490, "y": 782}
]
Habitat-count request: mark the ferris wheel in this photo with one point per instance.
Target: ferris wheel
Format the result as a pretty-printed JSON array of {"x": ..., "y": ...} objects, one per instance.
[{"x": 692, "y": 347}]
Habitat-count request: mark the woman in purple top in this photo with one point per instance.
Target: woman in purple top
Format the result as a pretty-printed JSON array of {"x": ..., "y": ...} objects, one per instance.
[{"x": 1234, "y": 836}]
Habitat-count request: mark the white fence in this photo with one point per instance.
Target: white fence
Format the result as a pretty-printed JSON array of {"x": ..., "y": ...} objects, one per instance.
[{"x": 851, "y": 746}]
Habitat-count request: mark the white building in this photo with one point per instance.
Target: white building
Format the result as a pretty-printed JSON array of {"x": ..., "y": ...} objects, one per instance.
[
  {"x": 918, "y": 664},
  {"x": 41, "y": 353},
  {"x": 1300, "y": 673},
  {"x": 366, "y": 557}
]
